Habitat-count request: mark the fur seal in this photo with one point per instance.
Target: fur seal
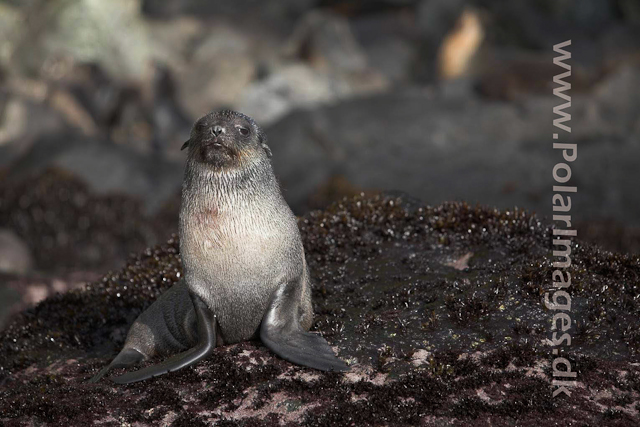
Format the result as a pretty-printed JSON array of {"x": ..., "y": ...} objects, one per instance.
[{"x": 245, "y": 273}]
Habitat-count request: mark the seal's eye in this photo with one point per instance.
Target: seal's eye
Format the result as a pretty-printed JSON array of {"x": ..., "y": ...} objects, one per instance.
[{"x": 243, "y": 131}]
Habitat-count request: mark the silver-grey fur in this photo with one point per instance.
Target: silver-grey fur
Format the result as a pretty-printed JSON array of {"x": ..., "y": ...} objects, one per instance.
[
  {"x": 239, "y": 241},
  {"x": 167, "y": 326}
]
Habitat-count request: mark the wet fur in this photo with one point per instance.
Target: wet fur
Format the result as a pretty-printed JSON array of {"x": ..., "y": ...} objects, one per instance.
[
  {"x": 240, "y": 248},
  {"x": 236, "y": 260}
]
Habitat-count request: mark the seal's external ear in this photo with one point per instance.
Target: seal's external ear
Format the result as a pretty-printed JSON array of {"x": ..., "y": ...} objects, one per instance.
[
  {"x": 267, "y": 149},
  {"x": 263, "y": 142},
  {"x": 185, "y": 145}
]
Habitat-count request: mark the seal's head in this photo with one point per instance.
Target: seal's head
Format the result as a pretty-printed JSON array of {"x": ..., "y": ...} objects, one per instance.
[{"x": 226, "y": 139}]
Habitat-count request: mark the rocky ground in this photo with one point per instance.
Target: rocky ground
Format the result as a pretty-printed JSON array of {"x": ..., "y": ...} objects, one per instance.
[{"x": 436, "y": 309}]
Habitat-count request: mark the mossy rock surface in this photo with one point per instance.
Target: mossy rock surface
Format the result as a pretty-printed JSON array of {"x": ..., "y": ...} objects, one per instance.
[
  {"x": 68, "y": 227},
  {"x": 438, "y": 310}
]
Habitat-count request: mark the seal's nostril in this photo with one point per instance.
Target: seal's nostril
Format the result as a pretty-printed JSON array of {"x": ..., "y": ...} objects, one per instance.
[{"x": 217, "y": 130}]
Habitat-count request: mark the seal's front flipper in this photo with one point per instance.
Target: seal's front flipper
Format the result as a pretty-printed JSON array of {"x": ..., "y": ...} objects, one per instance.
[
  {"x": 127, "y": 357},
  {"x": 281, "y": 332},
  {"x": 206, "y": 344}
]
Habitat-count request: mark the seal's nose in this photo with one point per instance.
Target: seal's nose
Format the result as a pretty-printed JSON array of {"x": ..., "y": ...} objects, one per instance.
[{"x": 217, "y": 130}]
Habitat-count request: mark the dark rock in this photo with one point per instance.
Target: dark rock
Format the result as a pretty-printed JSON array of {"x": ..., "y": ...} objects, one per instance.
[
  {"x": 15, "y": 257},
  {"x": 630, "y": 11},
  {"x": 429, "y": 344},
  {"x": 510, "y": 76},
  {"x": 533, "y": 25},
  {"x": 106, "y": 167},
  {"x": 360, "y": 8},
  {"x": 591, "y": 15},
  {"x": 436, "y": 17},
  {"x": 171, "y": 126},
  {"x": 455, "y": 148},
  {"x": 325, "y": 40},
  {"x": 620, "y": 47},
  {"x": 390, "y": 41}
]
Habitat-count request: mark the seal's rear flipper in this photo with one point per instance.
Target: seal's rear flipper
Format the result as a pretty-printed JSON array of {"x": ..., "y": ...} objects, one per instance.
[
  {"x": 281, "y": 333},
  {"x": 206, "y": 344},
  {"x": 127, "y": 357}
]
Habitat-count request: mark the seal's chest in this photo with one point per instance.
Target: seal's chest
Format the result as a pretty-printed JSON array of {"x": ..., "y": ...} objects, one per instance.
[
  {"x": 216, "y": 235},
  {"x": 208, "y": 217}
]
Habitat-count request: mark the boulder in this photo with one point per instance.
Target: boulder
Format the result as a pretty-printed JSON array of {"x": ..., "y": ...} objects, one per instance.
[
  {"x": 444, "y": 144},
  {"x": 106, "y": 167},
  {"x": 15, "y": 257}
]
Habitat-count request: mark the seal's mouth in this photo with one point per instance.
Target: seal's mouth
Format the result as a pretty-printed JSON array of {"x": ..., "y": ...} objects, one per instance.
[
  {"x": 217, "y": 145},
  {"x": 216, "y": 141},
  {"x": 214, "y": 145},
  {"x": 215, "y": 150}
]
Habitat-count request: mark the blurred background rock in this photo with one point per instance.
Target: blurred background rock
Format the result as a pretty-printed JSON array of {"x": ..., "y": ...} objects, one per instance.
[{"x": 445, "y": 100}]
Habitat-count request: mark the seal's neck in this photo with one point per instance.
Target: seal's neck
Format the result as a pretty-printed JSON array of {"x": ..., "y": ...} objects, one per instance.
[{"x": 205, "y": 187}]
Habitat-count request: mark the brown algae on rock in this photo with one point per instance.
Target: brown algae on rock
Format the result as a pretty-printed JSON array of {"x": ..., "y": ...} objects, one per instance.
[{"x": 384, "y": 298}]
